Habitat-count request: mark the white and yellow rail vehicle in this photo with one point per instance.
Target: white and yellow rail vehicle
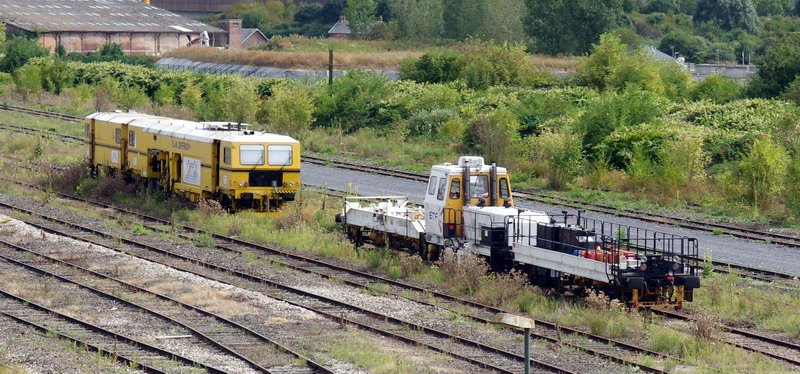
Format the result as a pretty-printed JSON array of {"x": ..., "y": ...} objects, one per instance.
[
  {"x": 241, "y": 168},
  {"x": 469, "y": 208}
]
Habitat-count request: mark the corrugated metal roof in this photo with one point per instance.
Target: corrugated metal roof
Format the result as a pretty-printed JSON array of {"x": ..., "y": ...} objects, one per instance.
[{"x": 96, "y": 16}]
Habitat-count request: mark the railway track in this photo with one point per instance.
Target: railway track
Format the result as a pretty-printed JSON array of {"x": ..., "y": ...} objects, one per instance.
[
  {"x": 759, "y": 343},
  {"x": 129, "y": 351},
  {"x": 223, "y": 334},
  {"x": 488, "y": 357},
  {"x": 722, "y": 266},
  {"x": 605, "y": 348},
  {"x": 39, "y": 112},
  {"x": 718, "y": 228}
]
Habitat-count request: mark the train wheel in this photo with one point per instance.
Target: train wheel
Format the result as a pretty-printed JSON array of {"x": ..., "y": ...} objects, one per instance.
[{"x": 414, "y": 247}]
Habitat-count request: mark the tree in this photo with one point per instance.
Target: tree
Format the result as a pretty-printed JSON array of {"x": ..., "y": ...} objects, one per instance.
[
  {"x": 18, "y": 50},
  {"x": 570, "y": 26},
  {"x": 780, "y": 65},
  {"x": 361, "y": 15},
  {"x": 418, "y": 19},
  {"x": 728, "y": 14},
  {"x": 607, "y": 54}
]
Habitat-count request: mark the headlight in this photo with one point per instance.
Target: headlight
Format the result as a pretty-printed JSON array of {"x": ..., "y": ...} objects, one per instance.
[
  {"x": 241, "y": 184},
  {"x": 291, "y": 184}
]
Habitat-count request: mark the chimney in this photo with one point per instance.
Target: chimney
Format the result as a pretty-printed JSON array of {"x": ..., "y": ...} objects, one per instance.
[
  {"x": 233, "y": 28},
  {"x": 341, "y": 17}
]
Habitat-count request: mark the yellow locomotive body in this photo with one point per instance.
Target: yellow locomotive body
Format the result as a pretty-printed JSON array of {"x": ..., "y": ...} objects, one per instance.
[{"x": 241, "y": 168}]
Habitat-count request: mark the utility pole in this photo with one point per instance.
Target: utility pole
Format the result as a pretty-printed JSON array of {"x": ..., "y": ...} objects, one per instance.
[{"x": 330, "y": 67}]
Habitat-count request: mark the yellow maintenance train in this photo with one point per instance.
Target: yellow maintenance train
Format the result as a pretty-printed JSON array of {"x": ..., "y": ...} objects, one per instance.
[{"x": 241, "y": 168}]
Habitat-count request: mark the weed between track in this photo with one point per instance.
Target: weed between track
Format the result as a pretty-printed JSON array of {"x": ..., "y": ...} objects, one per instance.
[{"x": 308, "y": 225}]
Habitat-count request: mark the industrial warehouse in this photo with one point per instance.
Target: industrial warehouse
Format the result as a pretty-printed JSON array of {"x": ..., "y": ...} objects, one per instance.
[{"x": 86, "y": 25}]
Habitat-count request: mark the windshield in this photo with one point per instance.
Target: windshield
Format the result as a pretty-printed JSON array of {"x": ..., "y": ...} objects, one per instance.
[
  {"x": 251, "y": 154},
  {"x": 479, "y": 186}
]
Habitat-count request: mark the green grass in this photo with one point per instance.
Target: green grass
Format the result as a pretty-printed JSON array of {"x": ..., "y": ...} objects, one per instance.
[
  {"x": 370, "y": 357},
  {"x": 767, "y": 306}
]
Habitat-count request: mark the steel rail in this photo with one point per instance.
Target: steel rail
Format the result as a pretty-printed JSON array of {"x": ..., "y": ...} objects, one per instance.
[
  {"x": 547, "y": 199},
  {"x": 367, "y": 278},
  {"x": 371, "y": 278},
  {"x": 333, "y": 316},
  {"x": 143, "y": 291},
  {"x": 38, "y": 112},
  {"x": 123, "y": 348},
  {"x": 737, "y": 331}
]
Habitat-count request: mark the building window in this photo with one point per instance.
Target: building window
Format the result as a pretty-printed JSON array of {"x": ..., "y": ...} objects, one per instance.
[
  {"x": 279, "y": 155},
  {"x": 226, "y": 155},
  {"x": 118, "y": 135},
  {"x": 251, "y": 154},
  {"x": 132, "y": 138}
]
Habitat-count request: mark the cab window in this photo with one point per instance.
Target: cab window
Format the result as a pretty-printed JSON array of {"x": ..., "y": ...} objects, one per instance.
[
  {"x": 226, "y": 155},
  {"x": 86, "y": 129},
  {"x": 504, "y": 189},
  {"x": 132, "y": 138},
  {"x": 118, "y": 135},
  {"x": 442, "y": 187},
  {"x": 478, "y": 185},
  {"x": 251, "y": 154},
  {"x": 279, "y": 155},
  {"x": 432, "y": 186},
  {"x": 455, "y": 189}
]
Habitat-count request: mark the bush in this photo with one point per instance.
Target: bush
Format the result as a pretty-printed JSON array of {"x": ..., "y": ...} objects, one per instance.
[
  {"x": 715, "y": 88},
  {"x": 428, "y": 122},
  {"x": 27, "y": 81},
  {"x": 432, "y": 67},
  {"x": 562, "y": 155},
  {"x": 486, "y": 64},
  {"x": 763, "y": 172},
  {"x": 355, "y": 101},
  {"x": 495, "y": 135},
  {"x": 465, "y": 275},
  {"x": 610, "y": 112},
  {"x": 288, "y": 111},
  {"x": 164, "y": 95}
]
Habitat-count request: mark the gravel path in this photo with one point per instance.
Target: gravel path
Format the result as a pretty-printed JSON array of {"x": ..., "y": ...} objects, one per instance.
[
  {"x": 24, "y": 348},
  {"x": 724, "y": 248}
]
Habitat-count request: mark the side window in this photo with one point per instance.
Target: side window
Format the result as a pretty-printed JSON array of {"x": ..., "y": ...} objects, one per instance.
[
  {"x": 432, "y": 186},
  {"x": 86, "y": 129},
  {"x": 504, "y": 188},
  {"x": 442, "y": 187},
  {"x": 455, "y": 189},
  {"x": 118, "y": 135},
  {"x": 132, "y": 138},
  {"x": 226, "y": 155}
]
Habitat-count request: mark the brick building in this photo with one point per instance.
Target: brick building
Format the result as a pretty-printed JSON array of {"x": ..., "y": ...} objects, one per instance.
[{"x": 86, "y": 25}]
